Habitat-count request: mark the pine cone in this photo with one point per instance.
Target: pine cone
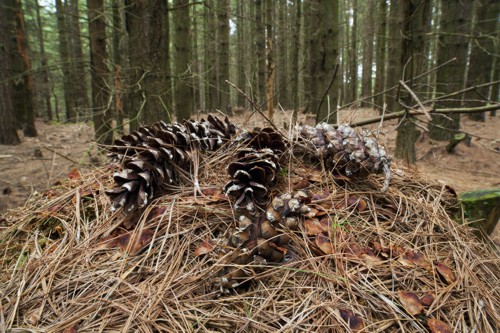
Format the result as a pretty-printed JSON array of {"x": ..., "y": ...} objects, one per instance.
[
  {"x": 156, "y": 157},
  {"x": 345, "y": 151},
  {"x": 266, "y": 138},
  {"x": 251, "y": 176}
]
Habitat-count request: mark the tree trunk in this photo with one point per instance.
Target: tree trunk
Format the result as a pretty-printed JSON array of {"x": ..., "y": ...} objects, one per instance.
[
  {"x": 241, "y": 50},
  {"x": 64, "y": 55},
  {"x": 295, "y": 61},
  {"x": 211, "y": 67},
  {"x": 260, "y": 54},
  {"x": 327, "y": 63},
  {"x": 353, "y": 54},
  {"x": 482, "y": 53},
  {"x": 99, "y": 72},
  {"x": 8, "y": 133},
  {"x": 306, "y": 55},
  {"x": 223, "y": 57},
  {"x": 282, "y": 70},
  {"x": 118, "y": 86},
  {"x": 270, "y": 58},
  {"x": 314, "y": 55},
  {"x": 43, "y": 57},
  {"x": 24, "y": 88},
  {"x": 414, "y": 15},
  {"x": 380, "y": 53},
  {"x": 394, "y": 66},
  {"x": 183, "y": 91},
  {"x": 78, "y": 67},
  {"x": 148, "y": 30},
  {"x": 453, "y": 43},
  {"x": 368, "y": 40}
]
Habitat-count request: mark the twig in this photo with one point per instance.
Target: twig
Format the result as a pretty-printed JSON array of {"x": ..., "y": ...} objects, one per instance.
[
  {"x": 415, "y": 97},
  {"x": 65, "y": 157},
  {"x": 462, "y": 91}
]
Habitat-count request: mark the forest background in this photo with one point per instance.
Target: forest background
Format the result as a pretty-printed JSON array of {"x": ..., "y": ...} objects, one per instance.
[{"x": 118, "y": 64}]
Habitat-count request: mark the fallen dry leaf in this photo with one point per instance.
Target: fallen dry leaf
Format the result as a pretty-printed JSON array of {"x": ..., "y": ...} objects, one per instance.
[
  {"x": 357, "y": 202},
  {"x": 438, "y": 326},
  {"x": 355, "y": 322},
  {"x": 427, "y": 299},
  {"x": 204, "y": 248},
  {"x": 410, "y": 302},
  {"x": 72, "y": 329},
  {"x": 301, "y": 184},
  {"x": 411, "y": 258},
  {"x": 74, "y": 174},
  {"x": 445, "y": 272},
  {"x": 314, "y": 226},
  {"x": 324, "y": 243}
]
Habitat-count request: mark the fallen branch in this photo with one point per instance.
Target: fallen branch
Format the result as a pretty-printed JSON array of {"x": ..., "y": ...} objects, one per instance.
[{"x": 400, "y": 114}]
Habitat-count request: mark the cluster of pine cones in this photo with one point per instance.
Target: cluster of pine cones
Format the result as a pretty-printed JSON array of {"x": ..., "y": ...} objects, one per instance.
[{"x": 157, "y": 158}]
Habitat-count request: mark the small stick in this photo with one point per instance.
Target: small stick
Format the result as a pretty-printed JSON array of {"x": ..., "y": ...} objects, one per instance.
[
  {"x": 415, "y": 97},
  {"x": 65, "y": 157}
]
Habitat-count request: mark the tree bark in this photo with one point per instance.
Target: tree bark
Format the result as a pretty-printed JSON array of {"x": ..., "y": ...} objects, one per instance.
[
  {"x": 99, "y": 72},
  {"x": 394, "y": 66},
  {"x": 366, "y": 79},
  {"x": 223, "y": 57},
  {"x": 381, "y": 43},
  {"x": 8, "y": 133},
  {"x": 260, "y": 49},
  {"x": 282, "y": 55},
  {"x": 148, "y": 30},
  {"x": 295, "y": 61},
  {"x": 43, "y": 57},
  {"x": 453, "y": 43},
  {"x": 270, "y": 59},
  {"x": 482, "y": 53},
  {"x": 210, "y": 59},
  {"x": 183, "y": 91},
  {"x": 241, "y": 50},
  {"x": 353, "y": 54},
  {"x": 414, "y": 15}
]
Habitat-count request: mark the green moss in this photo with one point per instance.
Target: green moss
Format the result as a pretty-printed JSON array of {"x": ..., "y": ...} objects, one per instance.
[{"x": 482, "y": 208}]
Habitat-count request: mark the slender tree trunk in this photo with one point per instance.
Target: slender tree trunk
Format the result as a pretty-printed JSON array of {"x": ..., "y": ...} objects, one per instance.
[
  {"x": 210, "y": 58},
  {"x": 99, "y": 72},
  {"x": 414, "y": 15},
  {"x": 482, "y": 53},
  {"x": 327, "y": 63},
  {"x": 260, "y": 51},
  {"x": 64, "y": 55},
  {"x": 282, "y": 70},
  {"x": 241, "y": 50},
  {"x": 8, "y": 133},
  {"x": 270, "y": 58},
  {"x": 306, "y": 54},
  {"x": 353, "y": 53},
  {"x": 368, "y": 40},
  {"x": 394, "y": 66},
  {"x": 295, "y": 61},
  {"x": 314, "y": 55},
  {"x": 118, "y": 65},
  {"x": 380, "y": 53},
  {"x": 45, "y": 76},
  {"x": 24, "y": 100},
  {"x": 183, "y": 91},
  {"x": 453, "y": 43},
  {"x": 78, "y": 66},
  {"x": 223, "y": 57}
]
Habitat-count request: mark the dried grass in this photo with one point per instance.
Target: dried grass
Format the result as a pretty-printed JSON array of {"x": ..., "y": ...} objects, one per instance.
[{"x": 57, "y": 274}]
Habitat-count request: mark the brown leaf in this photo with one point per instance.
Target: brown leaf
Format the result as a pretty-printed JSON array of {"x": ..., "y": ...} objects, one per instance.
[
  {"x": 314, "y": 226},
  {"x": 324, "y": 243},
  {"x": 427, "y": 299},
  {"x": 155, "y": 212},
  {"x": 445, "y": 272},
  {"x": 301, "y": 184},
  {"x": 411, "y": 258},
  {"x": 204, "y": 248},
  {"x": 355, "y": 322},
  {"x": 72, "y": 329},
  {"x": 315, "y": 176},
  {"x": 357, "y": 202},
  {"x": 410, "y": 302},
  {"x": 74, "y": 174},
  {"x": 144, "y": 239},
  {"x": 438, "y": 326}
]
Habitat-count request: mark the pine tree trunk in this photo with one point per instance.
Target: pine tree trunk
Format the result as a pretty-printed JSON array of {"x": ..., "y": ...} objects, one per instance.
[
  {"x": 453, "y": 43},
  {"x": 270, "y": 58},
  {"x": 78, "y": 68},
  {"x": 306, "y": 55},
  {"x": 99, "y": 72},
  {"x": 43, "y": 57},
  {"x": 118, "y": 86},
  {"x": 482, "y": 53},
  {"x": 282, "y": 70},
  {"x": 64, "y": 55},
  {"x": 380, "y": 53},
  {"x": 314, "y": 55},
  {"x": 241, "y": 50},
  {"x": 24, "y": 100},
  {"x": 414, "y": 15},
  {"x": 148, "y": 29},
  {"x": 327, "y": 63},
  {"x": 368, "y": 40},
  {"x": 183, "y": 91},
  {"x": 353, "y": 53},
  {"x": 211, "y": 67},
  {"x": 394, "y": 66},
  {"x": 295, "y": 61},
  {"x": 8, "y": 133},
  {"x": 223, "y": 57},
  {"x": 260, "y": 55}
]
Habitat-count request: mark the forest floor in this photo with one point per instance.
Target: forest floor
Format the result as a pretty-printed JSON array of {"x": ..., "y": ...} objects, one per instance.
[{"x": 38, "y": 163}]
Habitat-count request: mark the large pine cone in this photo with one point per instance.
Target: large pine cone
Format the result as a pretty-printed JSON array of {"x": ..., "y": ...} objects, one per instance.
[
  {"x": 252, "y": 174},
  {"x": 156, "y": 157},
  {"x": 344, "y": 150}
]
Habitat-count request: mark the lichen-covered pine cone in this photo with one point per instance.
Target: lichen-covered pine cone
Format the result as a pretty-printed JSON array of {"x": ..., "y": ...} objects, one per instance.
[
  {"x": 252, "y": 174},
  {"x": 344, "y": 150},
  {"x": 158, "y": 156}
]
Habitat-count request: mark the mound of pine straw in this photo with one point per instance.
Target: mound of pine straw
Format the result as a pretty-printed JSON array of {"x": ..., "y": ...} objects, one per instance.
[{"x": 397, "y": 262}]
